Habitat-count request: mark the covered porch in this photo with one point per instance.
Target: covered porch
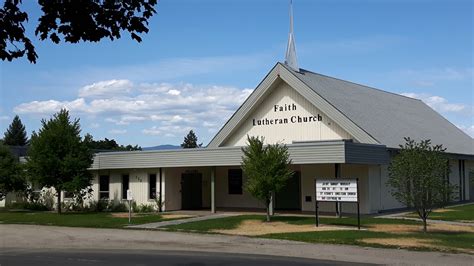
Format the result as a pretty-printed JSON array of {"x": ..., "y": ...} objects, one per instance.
[{"x": 210, "y": 178}]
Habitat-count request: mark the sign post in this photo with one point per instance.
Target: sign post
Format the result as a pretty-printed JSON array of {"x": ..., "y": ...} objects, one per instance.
[
  {"x": 129, "y": 198},
  {"x": 337, "y": 190},
  {"x": 316, "y": 207}
]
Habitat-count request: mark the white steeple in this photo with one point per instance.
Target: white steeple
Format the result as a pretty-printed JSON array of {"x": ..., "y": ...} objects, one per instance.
[{"x": 290, "y": 58}]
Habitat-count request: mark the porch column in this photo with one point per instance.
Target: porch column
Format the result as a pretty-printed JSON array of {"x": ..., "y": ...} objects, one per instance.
[{"x": 213, "y": 189}]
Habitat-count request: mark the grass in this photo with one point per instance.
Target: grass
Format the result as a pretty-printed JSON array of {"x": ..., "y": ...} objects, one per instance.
[
  {"x": 444, "y": 241},
  {"x": 93, "y": 219},
  {"x": 464, "y": 213},
  {"x": 233, "y": 222}
]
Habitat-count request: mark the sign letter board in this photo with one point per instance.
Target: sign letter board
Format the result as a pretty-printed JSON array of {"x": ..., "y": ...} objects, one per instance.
[{"x": 338, "y": 190}]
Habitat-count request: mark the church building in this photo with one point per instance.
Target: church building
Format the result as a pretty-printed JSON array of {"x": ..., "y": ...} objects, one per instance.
[{"x": 332, "y": 128}]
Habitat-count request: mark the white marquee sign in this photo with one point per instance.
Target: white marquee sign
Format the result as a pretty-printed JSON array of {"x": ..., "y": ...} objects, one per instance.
[{"x": 336, "y": 190}]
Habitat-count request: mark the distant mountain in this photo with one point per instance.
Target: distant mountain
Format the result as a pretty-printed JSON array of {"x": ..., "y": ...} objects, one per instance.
[{"x": 161, "y": 147}]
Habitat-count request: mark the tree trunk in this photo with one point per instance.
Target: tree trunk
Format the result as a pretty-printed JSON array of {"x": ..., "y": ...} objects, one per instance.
[
  {"x": 59, "y": 201},
  {"x": 268, "y": 209},
  {"x": 424, "y": 225}
]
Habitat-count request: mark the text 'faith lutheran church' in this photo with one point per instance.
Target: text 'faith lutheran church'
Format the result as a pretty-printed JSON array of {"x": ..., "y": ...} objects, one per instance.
[{"x": 333, "y": 129}]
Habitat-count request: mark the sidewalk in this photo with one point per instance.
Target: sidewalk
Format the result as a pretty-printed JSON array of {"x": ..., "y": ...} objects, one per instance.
[
  {"x": 181, "y": 221},
  {"x": 401, "y": 216}
]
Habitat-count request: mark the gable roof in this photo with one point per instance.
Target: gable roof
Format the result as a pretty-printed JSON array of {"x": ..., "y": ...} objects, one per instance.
[
  {"x": 273, "y": 79},
  {"x": 370, "y": 115},
  {"x": 388, "y": 117}
]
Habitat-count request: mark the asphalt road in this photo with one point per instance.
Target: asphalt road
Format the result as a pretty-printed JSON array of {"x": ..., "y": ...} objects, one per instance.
[
  {"x": 109, "y": 257},
  {"x": 54, "y": 245}
]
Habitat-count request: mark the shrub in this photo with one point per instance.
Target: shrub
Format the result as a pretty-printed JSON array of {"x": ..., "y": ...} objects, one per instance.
[
  {"x": 118, "y": 207},
  {"x": 145, "y": 208},
  {"x": 106, "y": 206},
  {"x": 32, "y": 206}
]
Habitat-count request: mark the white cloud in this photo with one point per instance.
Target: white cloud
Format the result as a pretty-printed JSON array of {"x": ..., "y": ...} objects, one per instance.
[
  {"x": 153, "y": 131},
  {"x": 439, "y": 103},
  {"x": 94, "y": 125},
  {"x": 171, "y": 112},
  {"x": 174, "y": 92},
  {"x": 106, "y": 88},
  {"x": 4, "y": 117},
  {"x": 117, "y": 131},
  {"x": 51, "y": 106}
]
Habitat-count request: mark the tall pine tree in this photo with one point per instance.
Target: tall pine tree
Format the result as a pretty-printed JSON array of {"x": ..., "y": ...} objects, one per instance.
[
  {"x": 190, "y": 141},
  {"x": 16, "y": 133}
]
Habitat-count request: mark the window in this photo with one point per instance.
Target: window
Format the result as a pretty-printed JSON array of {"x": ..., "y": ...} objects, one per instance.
[
  {"x": 152, "y": 186},
  {"x": 125, "y": 186},
  {"x": 68, "y": 194},
  {"x": 235, "y": 181},
  {"x": 104, "y": 187}
]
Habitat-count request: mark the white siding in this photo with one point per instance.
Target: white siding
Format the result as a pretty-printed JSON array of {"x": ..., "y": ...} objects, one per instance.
[
  {"x": 226, "y": 200},
  {"x": 374, "y": 188},
  {"x": 286, "y": 133},
  {"x": 469, "y": 181},
  {"x": 454, "y": 177},
  {"x": 387, "y": 200}
]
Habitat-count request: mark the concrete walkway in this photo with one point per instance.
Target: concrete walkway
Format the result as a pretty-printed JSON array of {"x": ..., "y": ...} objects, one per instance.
[
  {"x": 401, "y": 216},
  {"x": 181, "y": 221},
  {"x": 32, "y": 238}
]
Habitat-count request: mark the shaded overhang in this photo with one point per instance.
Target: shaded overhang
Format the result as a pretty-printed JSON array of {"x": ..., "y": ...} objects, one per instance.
[{"x": 321, "y": 152}]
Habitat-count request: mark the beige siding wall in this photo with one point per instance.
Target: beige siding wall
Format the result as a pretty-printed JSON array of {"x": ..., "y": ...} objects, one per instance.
[
  {"x": 310, "y": 172},
  {"x": 286, "y": 133},
  {"x": 138, "y": 184},
  {"x": 469, "y": 181},
  {"x": 173, "y": 187},
  {"x": 374, "y": 193},
  {"x": 374, "y": 188},
  {"x": 388, "y": 202},
  {"x": 226, "y": 200},
  {"x": 454, "y": 176}
]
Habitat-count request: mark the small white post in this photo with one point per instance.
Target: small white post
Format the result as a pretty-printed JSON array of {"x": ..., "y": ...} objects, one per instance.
[
  {"x": 129, "y": 198},
  {"x": 213, "y": 190}
]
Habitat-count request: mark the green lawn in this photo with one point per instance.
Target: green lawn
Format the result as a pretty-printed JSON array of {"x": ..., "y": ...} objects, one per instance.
[
  {"x": 464, "y": 213},
  {"x": 98, "y": 220},
  {"x": 445, "y": 241},
  {"x": 233, "y": 222}
]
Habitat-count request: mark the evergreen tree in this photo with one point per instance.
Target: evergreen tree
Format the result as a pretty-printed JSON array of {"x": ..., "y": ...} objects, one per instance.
[
  {"x": 58, "y": 157},
  {"x": 11, "y": 179},
  {"x": 190, "y": 141},
  {"x": 267, "y": 169},
  {"x": 16, "y": 133},
  {"x": 108, "y": 144}
]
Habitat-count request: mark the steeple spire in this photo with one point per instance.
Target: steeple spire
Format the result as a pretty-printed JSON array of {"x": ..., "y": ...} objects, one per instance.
[{"x": 290, "y": 58}]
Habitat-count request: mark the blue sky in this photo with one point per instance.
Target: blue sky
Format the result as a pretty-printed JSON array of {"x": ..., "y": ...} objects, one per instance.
[{"x": 202, "y": 58}]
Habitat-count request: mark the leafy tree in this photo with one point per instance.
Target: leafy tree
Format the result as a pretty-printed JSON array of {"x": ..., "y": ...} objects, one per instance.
[
  {"x": 108, "y": 144},
  {"x": 190, "y": 141},
  {"x": 267, "y": 169},
  {"x": 417, "y": 177},
  {"x": 16, "y": 133},
  {"x": 11, "y": 178},
  {"x": 58, "y": 157},
  {"x": 73, "y": 21}
]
